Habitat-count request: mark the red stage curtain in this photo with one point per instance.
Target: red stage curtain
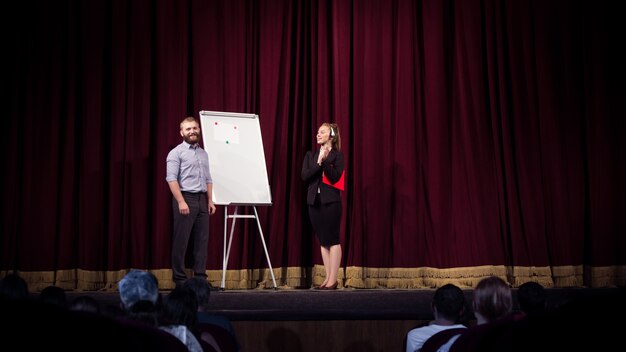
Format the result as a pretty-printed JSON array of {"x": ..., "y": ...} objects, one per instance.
[{"x": 481, "y": 137}]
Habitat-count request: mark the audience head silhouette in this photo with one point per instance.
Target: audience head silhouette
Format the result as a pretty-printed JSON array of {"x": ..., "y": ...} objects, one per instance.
[
  {"x": 53, "y": 295},
  {"x": 449, "y": 302},
  {"x": 13, "y": 287},
  {"x": 531, "y": 297},
  {"x": 492, "y": 299},
  {"x": 180, "y": 308},
  {"x": 138, "y": 286},
  {"x": 448, "y": 306},
  {"x": 200, "y": 288}
]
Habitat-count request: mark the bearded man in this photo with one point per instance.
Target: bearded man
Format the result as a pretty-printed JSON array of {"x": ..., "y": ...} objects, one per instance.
[{"x": 189, "y": 178}]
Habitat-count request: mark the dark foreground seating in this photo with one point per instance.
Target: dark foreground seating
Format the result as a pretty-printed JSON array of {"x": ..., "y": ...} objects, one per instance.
[{"x": 32, "y": 325}]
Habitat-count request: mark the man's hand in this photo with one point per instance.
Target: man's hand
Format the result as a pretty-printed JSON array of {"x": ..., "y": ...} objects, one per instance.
[{"x": 183, "y": 208}]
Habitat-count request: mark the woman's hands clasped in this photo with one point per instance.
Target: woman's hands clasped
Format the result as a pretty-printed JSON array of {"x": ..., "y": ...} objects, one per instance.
[{"x": 324, "y": 151}]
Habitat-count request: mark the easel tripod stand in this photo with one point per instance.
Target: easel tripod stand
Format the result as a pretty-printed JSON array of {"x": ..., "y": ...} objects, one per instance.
[{"x": 236, "y": 216}]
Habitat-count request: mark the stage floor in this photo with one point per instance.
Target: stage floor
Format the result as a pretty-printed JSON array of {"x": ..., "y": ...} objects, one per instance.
[{"x": 341, "y": 304}]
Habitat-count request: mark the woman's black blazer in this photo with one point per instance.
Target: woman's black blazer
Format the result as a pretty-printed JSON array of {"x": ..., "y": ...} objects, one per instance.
[{"x": 312, "y": 174}]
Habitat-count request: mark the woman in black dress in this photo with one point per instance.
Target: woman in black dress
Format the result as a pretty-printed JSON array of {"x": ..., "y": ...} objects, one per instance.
[{"x": 323, "y": 171}]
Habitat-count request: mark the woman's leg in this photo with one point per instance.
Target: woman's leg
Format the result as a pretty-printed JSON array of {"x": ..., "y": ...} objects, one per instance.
[
  {"x": 334, "y": 263},
  {"x": 326, "y": 260}
]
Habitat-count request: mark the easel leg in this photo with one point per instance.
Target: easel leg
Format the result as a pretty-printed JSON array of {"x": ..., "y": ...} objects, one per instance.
[
  {"x": 267, "y": 256},
  {"x": 230, "y": 241}
]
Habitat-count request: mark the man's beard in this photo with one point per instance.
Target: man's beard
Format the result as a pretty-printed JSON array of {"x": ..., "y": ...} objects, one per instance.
[{"x": 191, "y": 140}]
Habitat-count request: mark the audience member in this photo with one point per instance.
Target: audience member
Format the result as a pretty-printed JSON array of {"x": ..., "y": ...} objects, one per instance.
[
  {"x": 179, "y": 317},
  {"x": 531, "y": 297},
  {"x": 492, "y": 301},
  {"x": 140, "y": 298},
  {"x": 583, "y": 322},
  {"x": 448, "y": 306},
  {"x": 137, "y": 286},
  {"x": 216, "y": 325},
  {"x": 54, "y": 296},
  {"x": 13, "y": 287},
  {"x": 202, "y": 290}
]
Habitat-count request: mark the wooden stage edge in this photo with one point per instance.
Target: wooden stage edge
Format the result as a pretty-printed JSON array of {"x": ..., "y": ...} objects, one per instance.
[{"x": 341, "y": 304}]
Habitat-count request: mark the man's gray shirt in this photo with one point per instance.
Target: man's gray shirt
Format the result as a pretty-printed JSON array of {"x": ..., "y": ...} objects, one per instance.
[{"x": 189, "y": 165}]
